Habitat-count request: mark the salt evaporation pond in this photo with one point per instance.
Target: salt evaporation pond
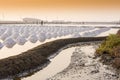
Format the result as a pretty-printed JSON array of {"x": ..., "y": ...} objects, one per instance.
[{"x": 16, "y": 39}]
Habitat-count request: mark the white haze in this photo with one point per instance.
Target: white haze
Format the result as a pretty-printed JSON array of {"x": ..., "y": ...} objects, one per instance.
[{"x": 67, "y": 15}]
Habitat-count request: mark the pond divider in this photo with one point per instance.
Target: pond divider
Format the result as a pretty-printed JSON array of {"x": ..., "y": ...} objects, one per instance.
[{"x": 28, "y": 61}]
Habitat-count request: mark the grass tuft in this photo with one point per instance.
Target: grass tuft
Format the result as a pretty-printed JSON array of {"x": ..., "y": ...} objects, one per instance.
[{"x": 108, "y": 46}]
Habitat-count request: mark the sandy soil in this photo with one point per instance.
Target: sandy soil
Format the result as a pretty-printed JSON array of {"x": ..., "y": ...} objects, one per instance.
[{"x": 83, "y": 66}]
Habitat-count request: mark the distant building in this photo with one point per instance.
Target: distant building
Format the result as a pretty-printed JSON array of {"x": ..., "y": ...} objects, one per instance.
[{"x": 33, "y": 21}]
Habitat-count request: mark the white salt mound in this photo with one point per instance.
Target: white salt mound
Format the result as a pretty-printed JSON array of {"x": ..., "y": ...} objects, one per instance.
[
  {"x": 54, "y": 35},
  {"x": 1, "y": 45},
  {"x": 33, "y": 38},
  {"x": 9, "y": 42},
  {"x": 25, "y": 34},
  {"x": 76, "y": 35},
  {"x": 15, "y": 35},
  {"x": 95, "y": 33},
  {"x": 2, "y": 31},
  {"x": 48, "y": 35},
  {"x": 42, "y": 37},
  {"x": 21, "y": 40},
  {"x": 4, "y": 36}
]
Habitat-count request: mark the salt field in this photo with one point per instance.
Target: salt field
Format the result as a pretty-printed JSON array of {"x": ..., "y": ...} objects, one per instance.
[
  {"x": 51, "y": 68},
  {"x": 59, "y": 39},
  {"x": 10, "y": 35},
  {"x": 15, "y": 39}
]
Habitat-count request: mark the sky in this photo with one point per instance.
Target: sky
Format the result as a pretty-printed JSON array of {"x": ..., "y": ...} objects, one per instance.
[{"x": 72, "y": 10}]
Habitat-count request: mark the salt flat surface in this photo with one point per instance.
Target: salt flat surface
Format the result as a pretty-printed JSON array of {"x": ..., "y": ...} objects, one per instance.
[
  {"x": 83, "y": 66},
  {"x": 17, "y": 49}
]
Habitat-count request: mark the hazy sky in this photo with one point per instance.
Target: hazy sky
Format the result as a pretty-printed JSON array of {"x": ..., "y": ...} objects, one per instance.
[{"x": 60, "y": 9}]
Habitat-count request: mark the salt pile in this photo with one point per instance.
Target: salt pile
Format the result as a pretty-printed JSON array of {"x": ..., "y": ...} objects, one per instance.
[
  {"x": 48, "y": 35},
  {"x": 76, "y": 35},
  {"x": 23, "y": 32},
  {"x": 1, "y": 45},
  {"x": 41, "y": 37},
  {"x": 2, "y": 31},
  {"x": 33, "y": 38},
  {"x": 9, "y": 42},
  {"x": 4, "y": 36},
  {"x": 54, "y": 35},
  {"x": 21, "y": 40},
  {"x": 95, "y": 33},
  {"x": 15, "y": 35}
]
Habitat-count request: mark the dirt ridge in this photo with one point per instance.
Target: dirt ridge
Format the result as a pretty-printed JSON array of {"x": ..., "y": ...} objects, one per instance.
[{"x": 12, "y": 66}]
